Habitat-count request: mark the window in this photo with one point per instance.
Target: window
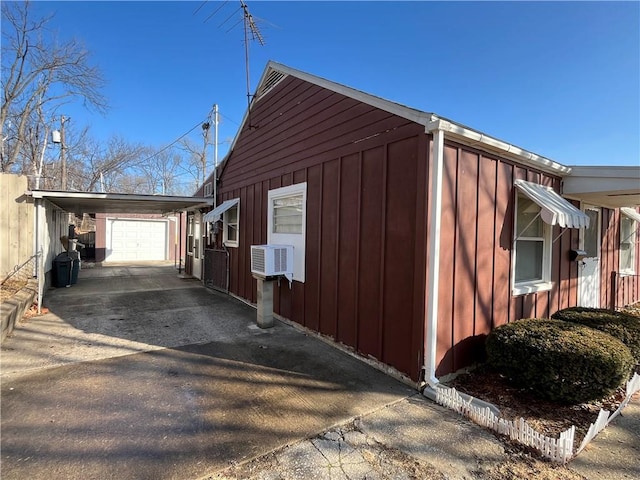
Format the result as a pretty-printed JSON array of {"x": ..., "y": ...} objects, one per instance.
[
  {"x": 627, "y": 245},
  {"x": 231, "y": 232},
  {"x": 287, "y": 214},
  {"x": 286, "y": 223},
  {"x": 208, "y": 189},
  {"x": 532, "y": 248}
]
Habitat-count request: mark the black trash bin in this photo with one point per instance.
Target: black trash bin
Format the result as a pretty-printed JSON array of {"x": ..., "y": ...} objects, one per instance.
[{"x": 62, "y": 266}]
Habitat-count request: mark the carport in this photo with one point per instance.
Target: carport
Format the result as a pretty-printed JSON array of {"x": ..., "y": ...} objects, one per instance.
[{"x": 49, "y": 223}]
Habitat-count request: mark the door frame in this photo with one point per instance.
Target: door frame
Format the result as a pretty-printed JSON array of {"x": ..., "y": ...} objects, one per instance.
[{"x": 598, "y": 259}]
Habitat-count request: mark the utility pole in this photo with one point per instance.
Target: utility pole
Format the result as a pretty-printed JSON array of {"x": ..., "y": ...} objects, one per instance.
[
  {"x": 205, "y": 135},
  {"x": 215, "y": 154},
  {"x": 63, "y": 159},
  {"x": 215, "y": 138}
]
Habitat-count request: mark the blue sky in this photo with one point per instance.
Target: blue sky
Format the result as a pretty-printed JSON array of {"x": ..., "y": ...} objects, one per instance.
[{"x": 559, "y": 79}]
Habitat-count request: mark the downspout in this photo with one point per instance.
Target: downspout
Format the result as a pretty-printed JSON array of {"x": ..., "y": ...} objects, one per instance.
[{"x": 433, "y": 259}]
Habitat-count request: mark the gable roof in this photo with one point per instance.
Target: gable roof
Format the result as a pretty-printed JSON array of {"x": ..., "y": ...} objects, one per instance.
[{"x": 275, "y": 72}]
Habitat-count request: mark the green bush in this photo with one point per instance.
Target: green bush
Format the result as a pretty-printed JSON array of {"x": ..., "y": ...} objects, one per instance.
[
  {"x": 623, "y": 326},
  {"x": 559, "y": 361}
]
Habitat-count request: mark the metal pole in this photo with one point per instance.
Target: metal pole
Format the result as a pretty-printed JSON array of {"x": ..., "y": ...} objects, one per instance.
[
  {"x": 63, "y": 160},
  {"x": 215, "y": 155}
]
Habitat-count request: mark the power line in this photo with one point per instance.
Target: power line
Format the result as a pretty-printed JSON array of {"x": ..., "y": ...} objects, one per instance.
[
  {"x": 201, "y": 5},
  {"x": 215, "y": 11},
  {"x": 174, "y": 142}
]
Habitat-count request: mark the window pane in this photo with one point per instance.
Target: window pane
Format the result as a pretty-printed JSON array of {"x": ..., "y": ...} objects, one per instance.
[
  {"x": 626, "y": 228},
  {"x": 295, "y": 201},
  {"x": 232, "y": 233},
  {"x": 529, "y": 257},
  {"x": 627, "y": 244},
  {"x": 591, "y": 234},
  {"x": 527, "y": 211},
  {"x": 287, "y": 214},
  {"x": 232, "y": 215}
]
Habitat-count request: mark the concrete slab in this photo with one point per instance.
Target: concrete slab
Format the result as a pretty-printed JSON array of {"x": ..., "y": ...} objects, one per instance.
[
  {"x": 615, "y": 453},
  {"x": 139, "y": 374}
]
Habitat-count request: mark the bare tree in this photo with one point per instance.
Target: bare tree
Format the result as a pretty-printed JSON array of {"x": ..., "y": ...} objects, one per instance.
[
  {"x": 38, "y": 76},
  {"x": 93, "y": 166},
  {"x": 196, "y": 162},
  {"x": 161, "y": 172}
]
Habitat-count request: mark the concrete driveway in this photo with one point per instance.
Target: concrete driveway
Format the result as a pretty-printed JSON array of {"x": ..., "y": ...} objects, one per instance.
[{"x": 136, "y": 373}]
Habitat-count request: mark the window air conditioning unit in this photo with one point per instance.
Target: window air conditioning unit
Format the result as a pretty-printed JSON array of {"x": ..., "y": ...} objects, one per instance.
[{"x": 272, "y": 260}]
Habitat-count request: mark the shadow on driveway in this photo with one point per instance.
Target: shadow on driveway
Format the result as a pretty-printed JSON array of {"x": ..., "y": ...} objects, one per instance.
[{"x": 204, "y": 388}]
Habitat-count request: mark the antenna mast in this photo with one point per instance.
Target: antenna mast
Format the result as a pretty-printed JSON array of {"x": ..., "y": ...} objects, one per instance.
[{"x": 249, "y": 27}]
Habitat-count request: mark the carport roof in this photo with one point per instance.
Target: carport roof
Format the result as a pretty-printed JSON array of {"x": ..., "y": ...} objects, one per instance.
[{"x": 84, "y": 202}]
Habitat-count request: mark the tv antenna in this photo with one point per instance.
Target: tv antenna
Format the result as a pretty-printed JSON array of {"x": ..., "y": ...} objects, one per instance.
[
  {"x": 250, "y": 27},
  {"x": 251, "y": 33}
]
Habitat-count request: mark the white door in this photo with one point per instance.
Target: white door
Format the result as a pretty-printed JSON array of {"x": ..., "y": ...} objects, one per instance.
[
  {"x": 136, "y": 240},
  {"x": 589, "y": 268},
  {"x": 197, "y": 246}
]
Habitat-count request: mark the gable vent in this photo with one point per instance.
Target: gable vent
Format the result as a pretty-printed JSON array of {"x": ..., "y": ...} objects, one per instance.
[{"x": 273, "y": 78}]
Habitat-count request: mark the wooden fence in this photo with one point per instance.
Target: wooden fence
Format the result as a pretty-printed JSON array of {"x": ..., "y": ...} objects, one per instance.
[
  {"x": 16, "y": 222},
  {"x": 559, "y": 449}
]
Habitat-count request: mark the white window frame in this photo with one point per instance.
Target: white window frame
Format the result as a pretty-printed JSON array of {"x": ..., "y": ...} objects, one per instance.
[
  {"x": 537, "y": 285},
  {"x": 208, "y": 189},
  {"x": 630, "y": 240},
  {"x": 298, "y": 240},
  {"x": 226, "y": 224}
]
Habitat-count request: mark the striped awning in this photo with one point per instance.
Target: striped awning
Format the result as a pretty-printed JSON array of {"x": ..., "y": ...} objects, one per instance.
[
  {"x": 555, "y": 209},
  {"x": 214, "y": 215},
  {"x": 631, "y": 213}
]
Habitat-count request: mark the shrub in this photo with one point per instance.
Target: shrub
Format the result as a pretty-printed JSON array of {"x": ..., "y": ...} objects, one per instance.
[
  {"x": 559, "y": 361},
  {"x": 623, "y": 326}
]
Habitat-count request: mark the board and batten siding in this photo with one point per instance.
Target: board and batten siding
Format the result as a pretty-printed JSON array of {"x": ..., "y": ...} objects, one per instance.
[
  {"x": 366, "y": 228},
  {"x": 475, "y": 255},
  {"x": 627, "y": 288},
  {"x": 366, "y": 217}
]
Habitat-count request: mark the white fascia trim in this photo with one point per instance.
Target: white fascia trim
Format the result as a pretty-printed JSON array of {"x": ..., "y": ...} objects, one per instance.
[
  {"x": 605, "y": 171},
  {"x": 433, "y": 260},
  {"x": 471, "y": 138}
]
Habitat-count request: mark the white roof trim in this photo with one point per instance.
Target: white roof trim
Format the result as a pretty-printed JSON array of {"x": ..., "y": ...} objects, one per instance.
[
  {"x": 471, "y": 137},
  {"x": 631, "y": 213},
  {"x": 214, "y": 215},
  {"x": 95, "y": 202},
  {"x": 555, "y": 209}
]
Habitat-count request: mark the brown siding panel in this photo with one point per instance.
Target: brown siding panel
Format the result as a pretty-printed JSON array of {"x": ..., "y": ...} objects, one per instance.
[
  {"x": 485, "y": 269},
  {"x": 370, "y": 252},
  {"x": 447, "y": 256},
  {"x": 329, "y": 248},
  {"x": 348, "y": 249},
  {"x": 312, "y": 257},
  {"x": 464, "y": 340},
  {"x": 503, "y": 241},
  {"x": 400, "y": 238}
]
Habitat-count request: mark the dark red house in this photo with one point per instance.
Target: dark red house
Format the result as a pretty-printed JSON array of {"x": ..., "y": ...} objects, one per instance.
[{"x": 414, "y": 235}]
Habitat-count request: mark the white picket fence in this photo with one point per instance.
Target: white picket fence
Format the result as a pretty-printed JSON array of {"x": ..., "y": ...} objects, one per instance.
[{"x": 556, "y": 449}]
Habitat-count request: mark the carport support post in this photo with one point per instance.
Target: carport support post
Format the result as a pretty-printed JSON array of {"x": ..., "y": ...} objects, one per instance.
[{"x": 265, "y": 302}]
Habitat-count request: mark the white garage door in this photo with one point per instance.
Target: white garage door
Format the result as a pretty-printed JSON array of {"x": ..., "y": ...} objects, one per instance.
[{"x": 132, "y": 240}]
